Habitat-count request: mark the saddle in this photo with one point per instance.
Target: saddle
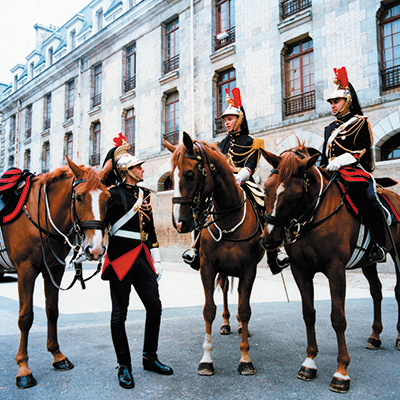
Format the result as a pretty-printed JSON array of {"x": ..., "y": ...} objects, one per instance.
[{"x": 14, "y": 190}]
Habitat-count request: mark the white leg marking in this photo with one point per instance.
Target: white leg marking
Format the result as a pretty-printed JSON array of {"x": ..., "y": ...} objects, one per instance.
[
  {"x": 176, "y": 209},
  {"x": 310, "y": 363},
  {"x": 97, "y": 248},
  {"x": 280, "y": 190},
  {"x": 207, "y": 347},
  {"x": 340, "y": 376}
]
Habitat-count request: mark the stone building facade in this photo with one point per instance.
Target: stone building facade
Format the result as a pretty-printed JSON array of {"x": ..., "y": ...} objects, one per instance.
[{"x": 154, "y": 68}]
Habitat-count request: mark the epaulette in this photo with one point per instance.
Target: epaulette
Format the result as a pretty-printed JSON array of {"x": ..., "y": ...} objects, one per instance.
[{"x": 258, "y": 144}]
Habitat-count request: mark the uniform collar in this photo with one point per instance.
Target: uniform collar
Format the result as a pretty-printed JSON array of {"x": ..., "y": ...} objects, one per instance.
[{"x": 346, "y": 117}]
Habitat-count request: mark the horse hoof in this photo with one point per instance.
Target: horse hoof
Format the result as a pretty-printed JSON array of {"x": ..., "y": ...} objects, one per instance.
[
  {"x": 307, "y": 374},
  {"x": 206, "y": 369},
  {"x": 25, "y": 382},
  {"x": 63, "y": 365},
  {"x": 225, "y": 330},
  {"x": 373, "y": 344},
  {"x": 339, "y": 385},
  {"x": 246, "y": 368},
  {"x": 240, "y": 332}
]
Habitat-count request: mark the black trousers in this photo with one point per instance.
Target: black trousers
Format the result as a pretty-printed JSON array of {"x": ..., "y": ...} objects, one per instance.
[{"x": 142, "y": 278}]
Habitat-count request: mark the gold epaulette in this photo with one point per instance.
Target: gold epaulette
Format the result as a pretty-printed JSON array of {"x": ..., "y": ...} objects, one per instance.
[{"x": 258, "y": 144}]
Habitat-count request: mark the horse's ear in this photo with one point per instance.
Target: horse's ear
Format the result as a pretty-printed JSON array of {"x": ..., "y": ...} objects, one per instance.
[
  {"x": 271, "y": 158},
  {"x": 309, "y": 162},
  {"x": 76, "y": 169},
  {"x": 187, "y": 141},
  {"x": 169, "y": 146},
  {"x": 106, "y": 169}
]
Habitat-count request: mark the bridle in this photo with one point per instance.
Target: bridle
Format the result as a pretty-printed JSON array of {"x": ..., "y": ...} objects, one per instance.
[
  {"x": 202, "y": 207},
  {"x": 76, "y": 233},
  {"x": 293, "y": 226}
]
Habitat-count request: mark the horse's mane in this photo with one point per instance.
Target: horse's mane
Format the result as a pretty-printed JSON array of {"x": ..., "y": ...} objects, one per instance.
[
  {"x": 91, "y": 177},
  {"x": 290, "y": 162}
]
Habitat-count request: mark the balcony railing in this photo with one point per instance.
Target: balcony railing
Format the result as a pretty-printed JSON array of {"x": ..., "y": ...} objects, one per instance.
[
  {"x": 224, "y": 38},
  {"x": 70, "y": 113},
  {"x": 171, "y": 64},
  {"x": 130, "y": 84},
  {"x": 290, "y": 7},
  {"x": 172, "y": 137},
  {"x": 28, "y": 133},
  {"x": 300, "y": 103},
  {"x": 96, "y": 100},
  {"x": 390, "y": 78},
  {"x": 47, "y": 123},
  {"x": 95, "y": 159},
  {"x": 220, "y": 126}
]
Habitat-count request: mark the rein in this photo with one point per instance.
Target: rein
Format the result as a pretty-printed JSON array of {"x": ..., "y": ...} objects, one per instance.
[
  {"x": 78, "y": 237},
  {"x": 202, "y": 210}
]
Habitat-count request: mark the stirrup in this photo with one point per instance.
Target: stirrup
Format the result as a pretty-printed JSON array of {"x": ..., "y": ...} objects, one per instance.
[
  {"x": 189, "y": 255},
  {"x": 282, "y": 260},
  {"x": 377, "y": 254}
]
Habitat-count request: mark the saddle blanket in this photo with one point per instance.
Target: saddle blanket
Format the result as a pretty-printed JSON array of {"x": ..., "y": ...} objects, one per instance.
[{"x": 5, "y": 263}]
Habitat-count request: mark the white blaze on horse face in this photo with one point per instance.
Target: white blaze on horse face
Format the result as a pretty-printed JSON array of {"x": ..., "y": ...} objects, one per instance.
[
  {"x": 279, "y": 191},
  {"x": 207, "y": 347},
  {"x": 96, "y": 246},
  {"x": 176, "y": 208}
]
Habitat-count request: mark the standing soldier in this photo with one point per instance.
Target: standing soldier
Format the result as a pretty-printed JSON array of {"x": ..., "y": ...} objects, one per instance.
[
  {"x": 133, "y": 259},
  {"x": 347, "y": 149}
]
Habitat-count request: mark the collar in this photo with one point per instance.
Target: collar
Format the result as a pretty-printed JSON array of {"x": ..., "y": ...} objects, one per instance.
[{"x": 345, "y": 118}]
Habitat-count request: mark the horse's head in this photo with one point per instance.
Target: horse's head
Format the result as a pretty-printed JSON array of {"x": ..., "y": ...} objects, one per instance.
[
  {"x": 89, "y": 207},
  {"x": 191, "y": 187},
  {"x": 284, "y": 188}
]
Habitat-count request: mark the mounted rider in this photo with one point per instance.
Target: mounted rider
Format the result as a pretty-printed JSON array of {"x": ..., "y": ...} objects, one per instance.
[
  {"x": 347, "y": 149},
  {"x": 242, "y": 152}
]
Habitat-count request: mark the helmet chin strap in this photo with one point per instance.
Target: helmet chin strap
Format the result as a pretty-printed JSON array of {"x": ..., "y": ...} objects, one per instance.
[
  {"x": 238, "y": 122},
  {"x": 346, "y": 103},
  {"x": 132, "y": 175}
]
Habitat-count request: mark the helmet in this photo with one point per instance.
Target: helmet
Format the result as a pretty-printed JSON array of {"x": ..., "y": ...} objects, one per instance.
[
  {"x": 125, "y": 162},
  {"x": 234, "y": 107}
]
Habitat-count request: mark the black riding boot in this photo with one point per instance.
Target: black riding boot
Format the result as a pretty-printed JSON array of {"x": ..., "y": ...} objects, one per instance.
[
  {"x": 125, "y": 376},
  {"x": 276, "y": 263},
  {"x": 152, "y": 363},
  {"x": 378, "y": 232}
]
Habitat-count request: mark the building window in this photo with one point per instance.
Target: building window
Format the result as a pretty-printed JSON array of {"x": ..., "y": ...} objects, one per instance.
[
  {"x": 31, "y": 70},
  {"x": 50, "y": 56},
  {"x": 225, "y": 23},
  {"x": 70, "y": 99},
  {"x": 13, "y": 128},
  {"x": 96, "y": 100},
  {"x": 290, "y": 7},
  {"x": 47, "y": 112},
  {"x": 390, "y": 150},
  {"x": 172, "y": 118},
  {"x": 46, "y": 157},
  {"x": 299, "y": 72},
  {"x": 130, "y": 129},
  {"x": 72, "y": 40},
  {"x": 10, "y": 161},
  {"x": 226, "y": 80},
  {"x": 390, "y": 37},
  {"x": 171, "y": 46},
  {"x": 99, "y": 20},
  {"x": 95, "y": 158},
  {"x": 27, "y": 159},
  {"x": 69, "y": 148},
  {"x": 28, "y": 122},
  {"x": 130, "y": 81}
]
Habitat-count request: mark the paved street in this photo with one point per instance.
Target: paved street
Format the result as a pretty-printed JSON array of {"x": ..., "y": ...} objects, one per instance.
[{"x": 277, "y": 343}]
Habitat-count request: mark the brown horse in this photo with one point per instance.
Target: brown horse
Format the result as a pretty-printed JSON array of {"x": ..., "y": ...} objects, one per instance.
[
  {"x": 305, "y": 212},
  {"x": 207, "y": 197},
  {"x": 69, "y": 199}
]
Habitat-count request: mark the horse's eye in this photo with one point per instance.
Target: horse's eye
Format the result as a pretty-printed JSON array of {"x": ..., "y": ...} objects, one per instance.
[
  {"x": 189, "y": 175},
  {"x": 79, "y": 198}
]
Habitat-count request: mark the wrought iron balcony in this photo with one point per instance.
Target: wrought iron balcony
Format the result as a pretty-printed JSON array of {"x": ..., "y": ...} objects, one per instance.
[
  {"x": 171, "y": 64},
  {"x": 95, "y": 159},
  {"x": 96, "y": 100},
  {"x": 390, "y": 78},
  {"x": 220, "y": 126},
  {"x": 224, "y": 38},
  {"x": 290, "y": 7},
  {"x": 28, "y": 133},
  {"x": 300, "y": 103},
  {"x": 130, "y": 84},
  {"x": 47, "y": 123},
  {"x": 70, "y": 113},
  {"x": 172, "y": 137}
]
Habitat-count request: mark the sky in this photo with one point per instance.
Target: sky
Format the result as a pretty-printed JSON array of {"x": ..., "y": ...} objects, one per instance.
[{"x": 17, "y": 35}]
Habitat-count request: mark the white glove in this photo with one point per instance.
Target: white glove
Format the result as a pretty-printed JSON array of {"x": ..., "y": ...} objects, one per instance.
[
  {"x": 344, "y": 159},
  {"x": 242, "y": 175},
  {"x": 155, "y": 256}
]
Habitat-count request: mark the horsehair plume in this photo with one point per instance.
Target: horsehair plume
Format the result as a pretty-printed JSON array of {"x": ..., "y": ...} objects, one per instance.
[
  {"x": 341, "y": 79},
  {"x": 237, "y": 97},
  {"x": 122, "y": 146},
  {"x": 228, "y": 99},
  {"x": 119, "y": 140}
]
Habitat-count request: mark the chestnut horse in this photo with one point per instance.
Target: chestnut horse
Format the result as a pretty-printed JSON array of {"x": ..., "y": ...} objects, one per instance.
[
  {"x": 305, "y": 212},
  {"x": 70, "y": 199},
  {"x": 206, "y": 196}
]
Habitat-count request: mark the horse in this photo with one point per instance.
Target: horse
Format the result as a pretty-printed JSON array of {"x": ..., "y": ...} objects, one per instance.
[
  {"x": 207, "y": 197},
  {"x": 69, "y": 201},
  {"x": 306, "y": 212}
]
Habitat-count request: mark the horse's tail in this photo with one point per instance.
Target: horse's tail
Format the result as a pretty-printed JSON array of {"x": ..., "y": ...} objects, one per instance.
[{"x": 223, "y": 282}]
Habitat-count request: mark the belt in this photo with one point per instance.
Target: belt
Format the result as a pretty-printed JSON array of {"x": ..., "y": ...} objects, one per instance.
[{"x": 130, "y": 235}]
